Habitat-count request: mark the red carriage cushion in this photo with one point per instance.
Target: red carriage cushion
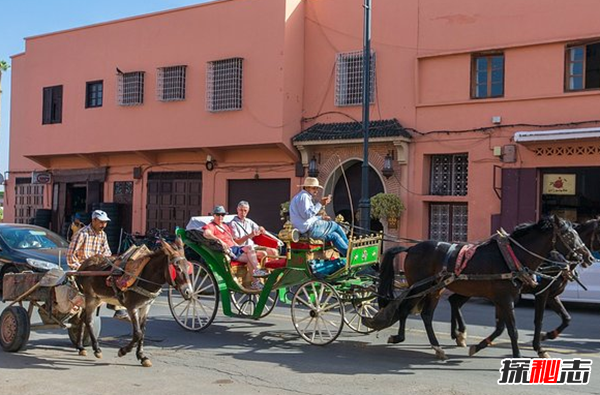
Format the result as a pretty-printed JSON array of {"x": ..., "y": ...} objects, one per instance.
[
  {"x": 237, "y": 263},
  {"x": 266, "y": 240},
  {"x": 276, "y": 263}
]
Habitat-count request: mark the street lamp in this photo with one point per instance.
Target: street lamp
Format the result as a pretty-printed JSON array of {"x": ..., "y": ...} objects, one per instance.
[{"x": 364, "y": 204}]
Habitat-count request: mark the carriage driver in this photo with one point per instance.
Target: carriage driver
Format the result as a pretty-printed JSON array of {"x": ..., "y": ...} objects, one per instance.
[
  {"x": 218, "y": 230},
  {"x": 304, "y": 216},
  {"x": 90, "y": 241}
]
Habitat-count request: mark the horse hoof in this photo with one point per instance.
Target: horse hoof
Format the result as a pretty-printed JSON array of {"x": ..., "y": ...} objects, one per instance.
[
  {"x": 83, "y": 353},
  {"x": 461, "y": 339},
  {"x": 121, "y": 353},
  {"x": 543, "y": 354},
  {"x": 472, "y": 350},
  {"x": 440, "y": 354},
  {"x": 146, "y": 363},
  {"x": 98, "y": 355},
  {"x": 394, "y": 339}
]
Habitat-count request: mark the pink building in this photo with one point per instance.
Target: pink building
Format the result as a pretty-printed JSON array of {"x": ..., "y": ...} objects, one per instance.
[{"x": 483, "y": 107}]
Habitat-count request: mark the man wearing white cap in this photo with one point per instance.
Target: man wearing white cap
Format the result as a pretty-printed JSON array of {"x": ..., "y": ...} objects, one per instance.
[
  {"x": 90, "y": 241},
  {"x": 304, "y": 216}
]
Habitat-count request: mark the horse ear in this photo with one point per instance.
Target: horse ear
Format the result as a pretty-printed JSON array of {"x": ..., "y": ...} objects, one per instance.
[
  {"x": 179, "y": 242},
  {"x": 167, "y": 246}
]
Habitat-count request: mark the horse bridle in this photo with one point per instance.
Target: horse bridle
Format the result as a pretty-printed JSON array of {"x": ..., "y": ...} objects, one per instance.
[
  {"x": 174, "y": 263},
  {"x": 566, "y": 234}
]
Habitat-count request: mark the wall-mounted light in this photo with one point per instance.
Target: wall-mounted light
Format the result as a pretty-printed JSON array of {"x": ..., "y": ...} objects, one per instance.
[
  {"x": 313, "y": 167},
  {"x": 210, "y": 163},
  {"x": 388, "y": 168}
]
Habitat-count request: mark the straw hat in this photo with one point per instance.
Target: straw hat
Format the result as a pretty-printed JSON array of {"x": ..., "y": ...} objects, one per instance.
[{"x": 310, "y": 182}]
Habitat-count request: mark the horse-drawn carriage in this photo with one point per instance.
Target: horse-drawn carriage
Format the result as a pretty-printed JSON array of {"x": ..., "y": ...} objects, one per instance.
[{"x": 326, "y": 290}]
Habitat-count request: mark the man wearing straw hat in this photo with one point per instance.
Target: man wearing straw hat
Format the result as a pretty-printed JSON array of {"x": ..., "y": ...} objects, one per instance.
[{"x": 304, "y": 216}]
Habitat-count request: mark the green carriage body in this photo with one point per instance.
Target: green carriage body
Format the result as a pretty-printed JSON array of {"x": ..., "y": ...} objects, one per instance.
[{"x": 347, "y": 281}]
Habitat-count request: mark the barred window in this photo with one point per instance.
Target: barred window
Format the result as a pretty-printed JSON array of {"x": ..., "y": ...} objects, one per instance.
[
  {"x": 349, "y": 79},
  {"x": 224, "y": 85},
  {"x": 449, "y": 175},
  {"x": 130, "y": 89},
  {"x": 170, "y": 83},
  {"x": 448, "y": 222}
]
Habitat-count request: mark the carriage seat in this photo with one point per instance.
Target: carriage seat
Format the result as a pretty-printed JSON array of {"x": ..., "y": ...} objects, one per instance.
[{"x": 268, "y": 264}]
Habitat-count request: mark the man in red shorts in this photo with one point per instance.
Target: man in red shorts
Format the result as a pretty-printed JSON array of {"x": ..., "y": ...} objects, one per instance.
[{"x": 218, "y": 230}]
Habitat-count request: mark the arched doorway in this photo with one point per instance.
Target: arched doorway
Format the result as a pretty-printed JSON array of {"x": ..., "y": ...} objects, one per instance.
[{"x": 341, "y": 200}]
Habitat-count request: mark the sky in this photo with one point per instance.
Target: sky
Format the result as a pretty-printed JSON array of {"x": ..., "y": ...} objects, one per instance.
[{"x": 26, "y": 18}]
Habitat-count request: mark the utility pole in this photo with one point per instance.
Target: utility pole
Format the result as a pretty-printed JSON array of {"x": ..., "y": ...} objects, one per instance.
[{"x": 364, "y": 204}]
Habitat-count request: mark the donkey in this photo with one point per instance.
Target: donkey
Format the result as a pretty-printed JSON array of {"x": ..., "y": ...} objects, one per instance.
[{"x": 166, "y": 265}]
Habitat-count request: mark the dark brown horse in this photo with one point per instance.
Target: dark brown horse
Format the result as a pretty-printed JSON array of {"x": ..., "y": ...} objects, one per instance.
[
  {"x": 166, "y": 265},
  {"x": 428, "y": 264},
  {"x": 546, "y": 294}
]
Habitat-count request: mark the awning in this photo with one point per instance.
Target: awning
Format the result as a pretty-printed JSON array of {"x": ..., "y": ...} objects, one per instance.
[{"x": 557, "y": 135}]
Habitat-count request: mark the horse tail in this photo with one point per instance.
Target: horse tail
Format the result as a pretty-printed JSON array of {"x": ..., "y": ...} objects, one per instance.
[{"x": 387, "y": 275}]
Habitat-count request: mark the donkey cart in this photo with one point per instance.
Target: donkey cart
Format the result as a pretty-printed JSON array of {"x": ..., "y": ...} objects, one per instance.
[
  {"x": 58, "y": 304},
  {"x": 326, "y": 291}
]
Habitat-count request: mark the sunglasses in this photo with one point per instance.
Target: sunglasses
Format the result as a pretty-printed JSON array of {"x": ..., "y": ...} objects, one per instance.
[{"x": 220, "y": 215}]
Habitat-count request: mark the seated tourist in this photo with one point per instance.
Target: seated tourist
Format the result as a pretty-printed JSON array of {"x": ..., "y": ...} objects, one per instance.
[
  {"x": 218, "y": 230},
  {"x": 304, "y": 215},
  {"x": 244, "y": 229}
]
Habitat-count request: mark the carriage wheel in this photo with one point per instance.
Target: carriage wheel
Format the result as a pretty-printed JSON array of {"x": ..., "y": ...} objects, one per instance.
[
  {"x": 246, "y": 303},
  {"x": 359, "y": 304},
  {"x": 76, "y": 323},
  {"x": 14, "y": 328},
  {"x": 317, "y": 312},
  {"x": 199, "y": 312}
]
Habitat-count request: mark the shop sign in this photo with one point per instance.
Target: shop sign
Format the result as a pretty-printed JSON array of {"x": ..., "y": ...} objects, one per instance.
[{"x": 559, "y": 184}]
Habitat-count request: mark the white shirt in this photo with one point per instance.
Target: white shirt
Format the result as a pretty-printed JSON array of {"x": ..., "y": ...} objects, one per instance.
[
  {"x": 242, "y": 228},
  {"x": 303, "y": 211}
]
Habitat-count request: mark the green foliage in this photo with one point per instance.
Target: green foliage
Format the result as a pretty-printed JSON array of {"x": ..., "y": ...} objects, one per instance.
[
  {"x": 386, "y": 205},
  {"x": 4, "y": 65}
]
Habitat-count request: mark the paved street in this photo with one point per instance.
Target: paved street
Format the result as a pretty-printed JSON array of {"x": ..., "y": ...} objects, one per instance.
[{"x": 236, "y": 356}]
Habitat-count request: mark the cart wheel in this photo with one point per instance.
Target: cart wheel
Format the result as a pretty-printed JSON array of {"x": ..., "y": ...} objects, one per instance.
[
  {"x": 359, "y": 304},
  {"x": 199, "y": 312},
  {"x": 76, "y": 323},
  {"x": 317, "y": 312},
  {"x": 14, "y": 328},
  {"x": 246, "y": 303}
]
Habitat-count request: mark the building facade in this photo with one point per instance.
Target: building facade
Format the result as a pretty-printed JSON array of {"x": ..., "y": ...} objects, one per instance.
[{"x": 483, "y": 113}]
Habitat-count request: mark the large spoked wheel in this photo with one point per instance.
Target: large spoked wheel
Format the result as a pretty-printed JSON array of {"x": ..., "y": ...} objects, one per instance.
[
  {"x": 317, "y": 312},
  {"x": 246, "y": 303},
  {"x": 199, "y": 312},
  {"x": 14, "y": 328},
  {"x": 76, "y": 323},
  {"x": 359, "y": 304}
]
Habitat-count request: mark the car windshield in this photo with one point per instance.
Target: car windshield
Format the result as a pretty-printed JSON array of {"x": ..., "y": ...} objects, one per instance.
[{"x": 31, "y": 238}]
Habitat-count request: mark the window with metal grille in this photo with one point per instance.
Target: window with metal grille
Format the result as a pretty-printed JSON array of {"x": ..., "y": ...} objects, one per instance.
[
  {"x": 52, "y": 105},
  {"x": 449, "y": 175},
  {"x": 487, "y": 76},
  {"x": 448, "y": 222},
  {"x": 224, "y": 85},
  {"x": 349, "y": 79},
  {"x": 130, "y": 89},
  {"x": 582, "y": 69},
  {"x": 93, "y": 94},
  {"x": 170, "y": 83}
]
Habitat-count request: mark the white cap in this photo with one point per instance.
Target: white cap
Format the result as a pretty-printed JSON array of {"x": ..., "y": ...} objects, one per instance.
[{"x": 100, "y": 215}]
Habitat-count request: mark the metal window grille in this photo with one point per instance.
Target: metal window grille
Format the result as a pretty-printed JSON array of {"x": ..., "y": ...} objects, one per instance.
[
  {"x": 130, "y": 90},
  {"x": 448, "y": 222},
  {"x": 224, "y": 85},
  {"x": 449, "y": 175},
  {"x": 170, "y": 83},
  {"x": 349, "y": 79}
]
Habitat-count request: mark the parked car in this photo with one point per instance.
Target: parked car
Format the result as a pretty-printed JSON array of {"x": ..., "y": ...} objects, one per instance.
[{"x": 29, "y": 247}]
